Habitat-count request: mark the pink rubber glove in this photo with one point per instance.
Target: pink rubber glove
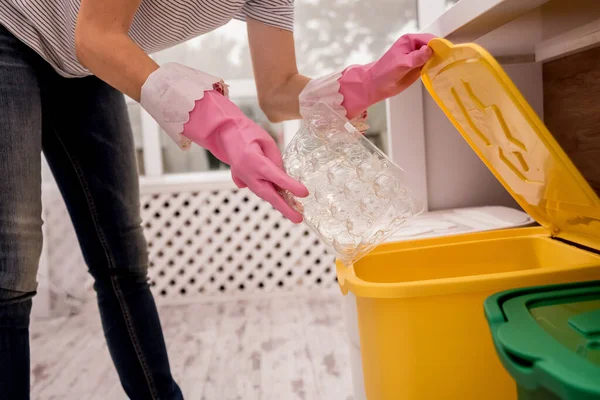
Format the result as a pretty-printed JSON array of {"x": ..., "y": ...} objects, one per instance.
[
  {"x": 365, "y": 85},
  {"x": 358, "y": 87},
  {"x": 221, "y": 127},
  {"x": 192, "y": 106}
]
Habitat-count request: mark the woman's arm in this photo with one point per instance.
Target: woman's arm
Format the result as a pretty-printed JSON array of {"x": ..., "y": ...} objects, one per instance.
[
  {"x": 103, "y": 46},
  {"x": 186, "y": 103},
  {"x": 277, "y": 79}
]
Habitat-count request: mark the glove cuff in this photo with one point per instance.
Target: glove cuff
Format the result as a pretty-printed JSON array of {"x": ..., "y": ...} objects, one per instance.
[
  {"x": 327, "y": 89},
  {"x": 170, "y": 94}
]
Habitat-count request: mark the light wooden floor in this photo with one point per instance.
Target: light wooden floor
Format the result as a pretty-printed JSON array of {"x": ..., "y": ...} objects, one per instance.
[{"x": 280, "y": 348}]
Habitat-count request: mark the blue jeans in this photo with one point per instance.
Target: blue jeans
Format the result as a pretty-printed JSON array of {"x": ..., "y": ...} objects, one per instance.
[{"x": 83, "y": 129}]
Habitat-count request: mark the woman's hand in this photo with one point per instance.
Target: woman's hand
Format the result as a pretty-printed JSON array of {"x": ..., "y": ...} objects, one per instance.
[
  {"x": 284, "y": 94},
  {"x": 220, "y": 126},
  {"x": 354, "y": 90}
]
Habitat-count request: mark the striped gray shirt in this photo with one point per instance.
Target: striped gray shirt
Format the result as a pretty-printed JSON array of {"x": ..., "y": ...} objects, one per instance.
[{"x": 48, "y": 26}]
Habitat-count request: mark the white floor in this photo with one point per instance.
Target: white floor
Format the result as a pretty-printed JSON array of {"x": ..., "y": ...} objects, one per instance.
[{"x": 280, "y": 348}]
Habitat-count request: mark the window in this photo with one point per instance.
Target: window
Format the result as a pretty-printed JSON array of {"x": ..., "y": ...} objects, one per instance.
[
  {"x": 135, "y": 119},
  {"x": 330, "y": 35}
]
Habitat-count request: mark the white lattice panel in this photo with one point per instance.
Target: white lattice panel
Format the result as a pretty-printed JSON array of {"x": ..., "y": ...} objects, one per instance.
[
  {"x": 201, "y": 243},
  {"x": 227, "y": 242}
]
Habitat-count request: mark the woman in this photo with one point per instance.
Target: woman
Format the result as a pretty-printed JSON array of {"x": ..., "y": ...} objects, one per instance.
[{"x": 63, "y": 67}]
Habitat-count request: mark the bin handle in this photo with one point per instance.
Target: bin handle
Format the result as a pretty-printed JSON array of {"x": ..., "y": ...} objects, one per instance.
[
  {"x": 519, "y": 361},
  {"x": 344, "y": 275},
  {"x": 516, "y": 364}
]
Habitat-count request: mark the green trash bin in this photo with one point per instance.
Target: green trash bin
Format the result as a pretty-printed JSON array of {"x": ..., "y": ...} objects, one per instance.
[{"x": 548, "y": 339}]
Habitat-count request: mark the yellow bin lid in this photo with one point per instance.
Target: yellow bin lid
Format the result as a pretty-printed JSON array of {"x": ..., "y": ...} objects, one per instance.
[{"x": 491, "y": 114}]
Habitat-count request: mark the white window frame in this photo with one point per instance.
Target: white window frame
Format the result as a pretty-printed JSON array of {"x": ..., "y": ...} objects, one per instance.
[{"x": 406, "y": 120}]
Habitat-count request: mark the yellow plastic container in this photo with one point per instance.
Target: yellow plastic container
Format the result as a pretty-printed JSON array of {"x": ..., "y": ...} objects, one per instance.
[{"x": 423, "y": 332}]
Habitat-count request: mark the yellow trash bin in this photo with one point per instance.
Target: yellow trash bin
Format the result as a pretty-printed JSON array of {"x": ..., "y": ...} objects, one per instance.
[{"x": 423, "y": 333}]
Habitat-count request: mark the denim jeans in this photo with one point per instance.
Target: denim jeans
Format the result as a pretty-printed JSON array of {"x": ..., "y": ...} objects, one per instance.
[{"x": 83, "y": 129}]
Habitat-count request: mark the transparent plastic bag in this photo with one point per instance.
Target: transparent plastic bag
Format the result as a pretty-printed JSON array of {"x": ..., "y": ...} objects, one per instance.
[{"x": 358, "y": 196}]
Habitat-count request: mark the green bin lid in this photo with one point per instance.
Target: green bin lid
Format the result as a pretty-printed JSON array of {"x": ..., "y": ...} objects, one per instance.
[{"x": 549, "y": 337}]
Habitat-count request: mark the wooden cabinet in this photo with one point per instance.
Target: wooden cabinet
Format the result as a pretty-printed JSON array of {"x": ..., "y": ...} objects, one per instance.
[{"x": 572, "y": 109}]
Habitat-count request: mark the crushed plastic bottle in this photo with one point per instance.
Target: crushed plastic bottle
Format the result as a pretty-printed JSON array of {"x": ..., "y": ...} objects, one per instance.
[{"x": 358, "y": 196}]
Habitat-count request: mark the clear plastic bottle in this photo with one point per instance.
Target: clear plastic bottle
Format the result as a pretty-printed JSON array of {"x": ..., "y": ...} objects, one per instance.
[{"x": 358, "y": 196}]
